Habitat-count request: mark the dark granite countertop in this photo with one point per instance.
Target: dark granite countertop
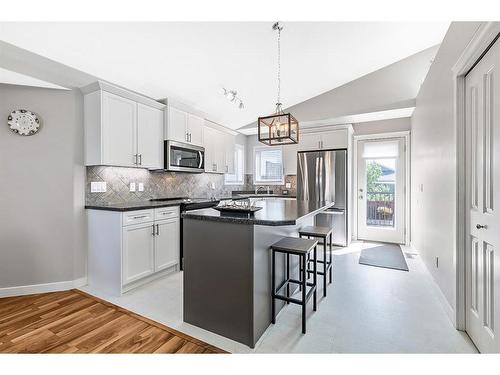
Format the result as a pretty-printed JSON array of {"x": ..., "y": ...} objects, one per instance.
[
  {"x": 253, "y": 195},
  {"x": 275, "y": 212},
  {"x": 145, "y": 205}
]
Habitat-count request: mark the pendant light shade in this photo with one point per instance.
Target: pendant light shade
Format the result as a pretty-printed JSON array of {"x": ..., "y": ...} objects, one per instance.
[{"x": 280, "y": 128}]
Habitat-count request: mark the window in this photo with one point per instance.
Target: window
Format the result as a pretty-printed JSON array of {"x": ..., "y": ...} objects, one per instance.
[
  {"x": 268, "y": 166},
  {"x": 239, "y": 167}
]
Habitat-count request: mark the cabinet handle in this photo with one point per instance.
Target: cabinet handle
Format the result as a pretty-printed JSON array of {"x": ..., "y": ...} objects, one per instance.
[
  {"x": 190, "y": 138},
  {"x": 140, "y": 217},
  {"x": 153, "y": 230},
  {"x": 140, "y": 159},
  {"x": 187, "y": 137},
  {"x": 135, "y": 159},
  {"x": 157, "y": 229}
]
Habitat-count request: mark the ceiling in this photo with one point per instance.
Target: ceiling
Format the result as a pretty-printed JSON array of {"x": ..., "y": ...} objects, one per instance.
[
  {"x": 13, "y": 78},
  {"x": 190, "y": 62}
]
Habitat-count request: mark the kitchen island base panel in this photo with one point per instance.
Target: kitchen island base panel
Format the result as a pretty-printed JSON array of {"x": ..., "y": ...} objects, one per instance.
[{"x": 227, "y": 276}]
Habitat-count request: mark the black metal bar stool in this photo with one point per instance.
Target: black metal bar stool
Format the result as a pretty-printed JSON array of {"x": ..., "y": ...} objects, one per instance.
[
  {"x": 301, "y": 247},
  {"x": 323, "y": 233}
]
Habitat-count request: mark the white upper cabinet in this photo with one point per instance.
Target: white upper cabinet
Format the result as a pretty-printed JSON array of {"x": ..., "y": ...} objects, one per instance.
[
  {"x": 118, "y": 130},
  {"x": 177, "y": 125},
  {"x": 219, "y": 149},
  {"x": 229, "y": 147},
  {"x": 290, "y": 159},
  {"x": 122, "y": 128},
  {"x": 149, "y": 136},
  {"x": 195, "y": 129},
  {"x": 331, "y": 139},
  {"x": 184, "y": 127}
]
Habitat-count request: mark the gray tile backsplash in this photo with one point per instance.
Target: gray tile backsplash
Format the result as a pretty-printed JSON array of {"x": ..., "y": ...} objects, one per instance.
[{"x": 162, "y": 184}]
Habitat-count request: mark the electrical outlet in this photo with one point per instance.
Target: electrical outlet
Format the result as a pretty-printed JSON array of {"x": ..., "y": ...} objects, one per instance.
[
  {"x": 132, "y": 186},
  {"x": 97, "y": 187},
  {"x": 141, "y": 186},
  {"x": 288, "y": 185}
]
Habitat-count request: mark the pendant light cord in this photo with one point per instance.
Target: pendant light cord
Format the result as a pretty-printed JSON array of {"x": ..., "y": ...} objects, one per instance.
[{"x": 278, "y": 27}]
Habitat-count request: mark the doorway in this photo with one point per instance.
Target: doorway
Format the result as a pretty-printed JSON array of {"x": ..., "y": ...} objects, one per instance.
[
  {"x": 482, "y": 219},
  {"x": 381, "y": 189}
]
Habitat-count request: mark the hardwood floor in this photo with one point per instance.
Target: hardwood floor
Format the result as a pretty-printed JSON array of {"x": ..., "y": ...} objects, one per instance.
[{"x": 76, "y": 322}]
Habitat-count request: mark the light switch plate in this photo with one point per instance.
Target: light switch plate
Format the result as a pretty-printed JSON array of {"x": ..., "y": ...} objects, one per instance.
[
  {"x": 141, "y": 186},
  {"x": 132, "y": 186}
]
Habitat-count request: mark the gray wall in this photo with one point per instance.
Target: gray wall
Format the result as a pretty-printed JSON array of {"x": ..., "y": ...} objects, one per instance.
[
  {"x": 42, "y": 218},
  {"x": 382, "y": 126},
  {"x": 434, "y": 163}
]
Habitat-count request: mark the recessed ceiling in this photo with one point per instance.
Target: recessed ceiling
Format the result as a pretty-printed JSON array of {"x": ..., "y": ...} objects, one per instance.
[{"x": 191, "y": 62}]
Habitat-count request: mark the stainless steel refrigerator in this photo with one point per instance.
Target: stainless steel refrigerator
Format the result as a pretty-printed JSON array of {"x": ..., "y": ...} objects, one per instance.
[{"x": 322, "y": 176}]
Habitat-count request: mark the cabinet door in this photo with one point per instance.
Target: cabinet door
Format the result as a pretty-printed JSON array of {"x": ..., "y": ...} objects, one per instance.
[
  {"x": 229, "y": 156},
  {"x": 138, "y": 252},
  {"x": 150, "y": 136},
  {"x": 177, "y": 125},
  {"x": 220, "y": 152},
  {"x": 209, "y": 142},
  {"x": 195, "y": 130},
  {"x": 167, "y": 243},
  {"x": 309, "y": 141},
  {"x": 334, "y": 139},
  {"x": 290, "y": 159},
  {"x": 119, "y": 129}
]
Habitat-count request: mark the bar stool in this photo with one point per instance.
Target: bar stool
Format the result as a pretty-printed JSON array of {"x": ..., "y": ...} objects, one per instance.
[
  {"x": 322, "y": 233},
  {"x": 301, "y": 247}
]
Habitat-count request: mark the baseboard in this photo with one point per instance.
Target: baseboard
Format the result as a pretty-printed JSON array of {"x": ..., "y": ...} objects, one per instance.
[
  {"x": 448, "y": 309},
  {"x": 42, "y": 288}
]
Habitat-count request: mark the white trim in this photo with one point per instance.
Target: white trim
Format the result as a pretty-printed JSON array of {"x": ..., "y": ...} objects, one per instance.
[
  {"x": 42, "y": 288},
  {"x": 406, "y": 136},
  {"x": 481, "y": 40}
]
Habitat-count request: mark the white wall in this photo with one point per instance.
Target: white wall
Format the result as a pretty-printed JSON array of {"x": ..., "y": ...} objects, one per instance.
[
  {"x": 434, "y": 163},
  {"x": 42, "y": 179},
  {"x": 382, "y": 126}
]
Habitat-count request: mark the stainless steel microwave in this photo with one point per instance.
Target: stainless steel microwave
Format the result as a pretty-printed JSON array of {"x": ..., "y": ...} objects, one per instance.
[{"x": 183, "y": 157}]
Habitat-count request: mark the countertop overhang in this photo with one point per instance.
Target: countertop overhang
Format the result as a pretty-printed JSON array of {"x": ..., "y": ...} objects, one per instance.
[{"x": 275, "y": 212}]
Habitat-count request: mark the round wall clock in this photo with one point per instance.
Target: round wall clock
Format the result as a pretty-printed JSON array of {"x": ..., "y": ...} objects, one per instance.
[{"x": 23, "y": 122}]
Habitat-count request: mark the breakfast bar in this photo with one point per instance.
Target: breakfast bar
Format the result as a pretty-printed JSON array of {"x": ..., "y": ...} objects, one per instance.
[{"x": 227, "y": 265}]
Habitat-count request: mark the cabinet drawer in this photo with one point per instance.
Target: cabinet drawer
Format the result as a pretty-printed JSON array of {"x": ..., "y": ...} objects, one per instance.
[
  {"x": 137, "y": 217},
  {"x": 166, "y": 213}
]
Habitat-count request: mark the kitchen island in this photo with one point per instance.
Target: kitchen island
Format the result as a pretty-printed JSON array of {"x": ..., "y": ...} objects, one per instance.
[{"x": 227, "y": 265}]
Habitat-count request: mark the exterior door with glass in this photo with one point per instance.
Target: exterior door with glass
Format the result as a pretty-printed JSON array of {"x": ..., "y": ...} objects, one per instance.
[{"x": 381, "y": 190}]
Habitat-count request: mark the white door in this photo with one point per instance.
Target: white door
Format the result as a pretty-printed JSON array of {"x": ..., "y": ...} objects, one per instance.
[
  {"x": 119, "y": 128},
  {"x": 177, "y": 125},
  {"x": 381, "y": 190},
  {"x": 138, "y": 252},
  {"x": 195, "y": 130},
  {"x": 167, "y": 243},
  {"x": 483, "y": 192},
  {"x": 150, "y": 136},
  {"x": 209, "y": 144}
]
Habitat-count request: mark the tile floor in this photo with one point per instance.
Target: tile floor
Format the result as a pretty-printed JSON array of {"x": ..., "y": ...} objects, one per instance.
[{"x": 367, "y": 310}]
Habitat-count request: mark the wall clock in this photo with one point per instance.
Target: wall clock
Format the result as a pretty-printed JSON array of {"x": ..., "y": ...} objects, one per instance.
[{"x": 23, "y": 122}]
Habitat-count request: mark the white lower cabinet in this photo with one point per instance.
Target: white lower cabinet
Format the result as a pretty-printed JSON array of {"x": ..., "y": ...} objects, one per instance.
[
  {"x": 138, "y": 252},
  {"x": 167, "y": 242},
  {"x": 129, "y": 249}
]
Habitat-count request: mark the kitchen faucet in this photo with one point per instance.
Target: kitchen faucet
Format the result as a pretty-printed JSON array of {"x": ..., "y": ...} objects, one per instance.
[{"x": 257, "y": 189}]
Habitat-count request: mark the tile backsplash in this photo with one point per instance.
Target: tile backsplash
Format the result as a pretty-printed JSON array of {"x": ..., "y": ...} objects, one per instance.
[{"x": 163, "y": 184}]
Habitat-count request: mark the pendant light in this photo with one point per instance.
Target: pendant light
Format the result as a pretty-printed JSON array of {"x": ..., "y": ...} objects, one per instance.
[{"x": 280, "y": 128}]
